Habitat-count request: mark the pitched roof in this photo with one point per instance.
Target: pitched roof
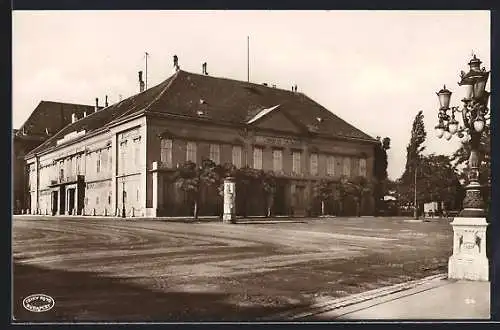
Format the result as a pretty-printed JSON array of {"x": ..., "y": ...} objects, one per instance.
[
  {"x": 51, "y": 116},
  {"x": 217, "y": 99}
]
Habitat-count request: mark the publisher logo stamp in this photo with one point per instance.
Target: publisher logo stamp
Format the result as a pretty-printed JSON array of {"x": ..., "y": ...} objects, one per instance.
[{"x": 38, "y": 303}]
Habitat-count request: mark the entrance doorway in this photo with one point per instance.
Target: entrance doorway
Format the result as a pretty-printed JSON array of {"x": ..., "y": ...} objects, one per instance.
[
  {"x": 71, "y": 201},
  {"x": 54, "y": 203},
  {"x": 279, "y": 198},
  {"x": 300, "y": 205},
  {"x": 62, "y": 201}
]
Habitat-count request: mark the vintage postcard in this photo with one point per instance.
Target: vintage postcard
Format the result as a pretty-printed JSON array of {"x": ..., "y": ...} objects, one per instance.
[{"x": 250, "y": 166}]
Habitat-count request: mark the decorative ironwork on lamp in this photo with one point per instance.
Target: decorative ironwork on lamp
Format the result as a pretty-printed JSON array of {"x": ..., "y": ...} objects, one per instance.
[{"x": 474, "y": 112}]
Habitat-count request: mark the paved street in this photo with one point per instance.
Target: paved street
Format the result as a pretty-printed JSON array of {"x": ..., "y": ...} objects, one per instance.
[{"x": 132, "y": 270}]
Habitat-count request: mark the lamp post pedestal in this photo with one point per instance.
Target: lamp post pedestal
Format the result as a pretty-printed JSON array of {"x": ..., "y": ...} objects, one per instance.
[{"x": 469, "y": 260}]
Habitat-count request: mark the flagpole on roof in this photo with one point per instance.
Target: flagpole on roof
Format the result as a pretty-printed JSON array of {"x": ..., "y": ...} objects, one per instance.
[
  {"x": 248, "y": 58},
  {"x": 147, "y": 54}
]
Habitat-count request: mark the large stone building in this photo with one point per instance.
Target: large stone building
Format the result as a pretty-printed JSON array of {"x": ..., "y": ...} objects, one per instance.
[
  {"x": 124, "y": 155},
  {"x": 46, "y": 119}
]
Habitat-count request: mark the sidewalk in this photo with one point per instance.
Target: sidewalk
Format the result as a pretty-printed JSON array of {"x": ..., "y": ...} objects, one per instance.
[
  {"x": 432, "y": 298},
  {"x": 201, "y": 219}
]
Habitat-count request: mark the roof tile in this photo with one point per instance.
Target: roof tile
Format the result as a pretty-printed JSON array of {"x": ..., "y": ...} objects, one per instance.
[{"x": 219, "y": 99}]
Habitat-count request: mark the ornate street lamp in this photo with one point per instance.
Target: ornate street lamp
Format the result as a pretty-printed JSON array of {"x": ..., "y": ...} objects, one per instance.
[
  {"x": 474, "y": 113},
  {"x": 472, "y": 218}
]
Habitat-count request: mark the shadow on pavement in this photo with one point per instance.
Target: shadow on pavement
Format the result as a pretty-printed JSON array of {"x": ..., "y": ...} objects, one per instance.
[{"x": 85, "y": 296}]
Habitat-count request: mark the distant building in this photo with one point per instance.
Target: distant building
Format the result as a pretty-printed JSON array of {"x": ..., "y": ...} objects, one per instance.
[
  {"x": 433, "y": 208},
  {"x": 46, "y": 119},
  {"x": 124, "y": 155}
]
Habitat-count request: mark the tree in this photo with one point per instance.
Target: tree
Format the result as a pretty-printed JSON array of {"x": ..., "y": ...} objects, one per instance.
[
  {"x": 190, "y": 178},
  {"x": 252, "y": 180},
  {"x": 342, "y": 192},
  {"x": 323, "y": 191},
  {"x": 415, "y": 148},
  {"x": 268, "y": 182},
  {"x": 413, "y": 155},
  {"x": 358, "y": 188},
  {"x": 380, "y": 172},
  {"x": 440, "y": 181},
  {"x": 223, "y": 171},
  {"x": 461, "y": 158}
]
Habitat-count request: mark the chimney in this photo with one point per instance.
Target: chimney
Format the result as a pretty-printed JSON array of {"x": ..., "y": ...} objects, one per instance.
[
  {"x": 204, "y": 68},
  {"x": 176, "y": 63},
  {"x": 141, "y": 83},
  {"x": 96, "y": 104},
  {"x": 73, "y": 117},
  {"x": 106, "y": 102}
]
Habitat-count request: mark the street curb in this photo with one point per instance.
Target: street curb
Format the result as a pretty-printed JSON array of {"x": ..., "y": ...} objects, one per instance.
[
  {"x": 201, "y": 219},
  {"x": 323, "y": 307}
]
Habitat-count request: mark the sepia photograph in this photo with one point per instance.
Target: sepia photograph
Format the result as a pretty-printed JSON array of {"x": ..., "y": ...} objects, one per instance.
[{"x": 180, "y": 166}]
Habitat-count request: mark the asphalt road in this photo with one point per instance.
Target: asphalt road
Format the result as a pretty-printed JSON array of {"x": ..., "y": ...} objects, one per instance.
[{"x": 143, "y": 270}]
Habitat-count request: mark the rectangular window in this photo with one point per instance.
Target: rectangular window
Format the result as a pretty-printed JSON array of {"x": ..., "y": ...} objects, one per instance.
[
  {"x": 166, "y": 152},
  {"x": 79, "y": 165},
  {"x": 104, "y": 160},
  {"x": 362, "y": 167},
  {"x": 32, "y": 176},
  {"x": 330, "y": 165},
  {"x": 237, "y": 156},
  {"x": 257, "y": 158},
  {"x": 191, "y": 152},
  {"x": 314, "y": 164},
  {"x": 347, "y": 167},
  {"x": 123, "y": 156},
  {"x": 61, "y": 171},
  {"x": 73, "y": 165},
  {"x": 277, "y": 160},
  {"x": 67, "y": 165},
  {"x": 98, "y": 157},
  {"x": 215, "y": 153},
  {"x": 296, "y": 162},
  {"x": 110, "y": 161},
  {"x": 355, "y": 166},
  {"x": 137, "y": 152}
]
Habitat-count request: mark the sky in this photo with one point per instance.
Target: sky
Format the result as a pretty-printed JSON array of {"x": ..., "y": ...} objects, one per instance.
[{"x": 374, "y": 69}]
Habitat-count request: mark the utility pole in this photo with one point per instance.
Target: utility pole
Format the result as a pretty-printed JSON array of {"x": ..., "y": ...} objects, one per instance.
[
  {"x": 147, "y": 54},
  {"x": 248, "y": 58},
  {"x": 415, "y": 211}
]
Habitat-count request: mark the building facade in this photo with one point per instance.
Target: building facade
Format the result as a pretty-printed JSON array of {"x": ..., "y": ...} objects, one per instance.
[
  {"x": 122, "y": 159},
  {"x": 46, "y": 119}
]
